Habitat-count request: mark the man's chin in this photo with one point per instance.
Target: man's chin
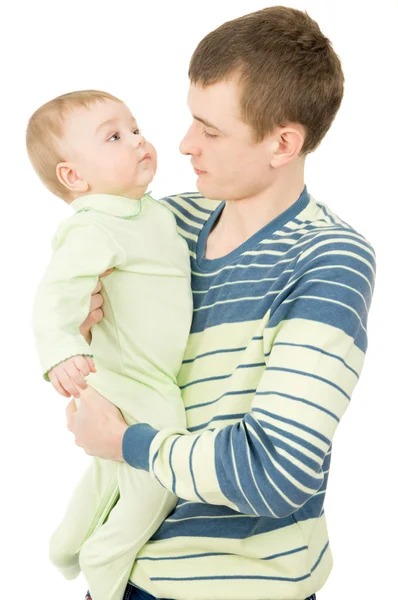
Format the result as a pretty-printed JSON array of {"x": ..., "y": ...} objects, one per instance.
[{"x": 208, "y": 192}]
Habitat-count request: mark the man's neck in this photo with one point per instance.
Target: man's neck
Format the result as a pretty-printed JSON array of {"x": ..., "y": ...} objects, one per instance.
[{"x": 241, "y": 219}]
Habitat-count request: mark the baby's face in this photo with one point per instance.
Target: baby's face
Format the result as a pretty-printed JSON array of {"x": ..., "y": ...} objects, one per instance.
[{"x": 106, "y": 149}]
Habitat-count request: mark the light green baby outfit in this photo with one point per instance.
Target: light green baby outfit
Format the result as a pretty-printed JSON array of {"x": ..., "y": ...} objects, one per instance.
[{"x": 137, "y": 348}]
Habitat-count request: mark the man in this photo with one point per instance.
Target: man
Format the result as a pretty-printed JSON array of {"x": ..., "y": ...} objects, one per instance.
[{"x": 282, "y": 289}]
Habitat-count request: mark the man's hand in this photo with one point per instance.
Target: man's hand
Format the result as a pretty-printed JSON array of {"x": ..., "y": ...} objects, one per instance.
[
  {"x": 95, "y": 315},
  {"x": 68, "y": 376},
  {"x": 97, "y": 424}
]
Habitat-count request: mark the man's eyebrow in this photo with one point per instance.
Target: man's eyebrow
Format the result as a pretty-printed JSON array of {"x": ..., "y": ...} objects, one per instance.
[
  {"x": 111, "y": 122},
  {"x": 205, "y": 122}
]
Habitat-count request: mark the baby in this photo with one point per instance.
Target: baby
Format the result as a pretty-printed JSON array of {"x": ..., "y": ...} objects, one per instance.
[{"x": 87, "y": 149}]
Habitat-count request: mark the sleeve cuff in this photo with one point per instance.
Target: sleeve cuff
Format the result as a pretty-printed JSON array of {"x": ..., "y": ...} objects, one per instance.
[
  {"x": 82, "y": 351},
  {"x": 136, "y": 445}
]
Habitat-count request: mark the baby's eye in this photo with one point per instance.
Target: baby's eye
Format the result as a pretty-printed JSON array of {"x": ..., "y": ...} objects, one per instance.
[
  {"x": 137, "y": 131},
  {"x": 113, "y": 136}
]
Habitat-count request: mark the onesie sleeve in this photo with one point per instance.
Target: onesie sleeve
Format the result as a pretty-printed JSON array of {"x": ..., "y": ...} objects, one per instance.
[{"x": 82, "y": 250}]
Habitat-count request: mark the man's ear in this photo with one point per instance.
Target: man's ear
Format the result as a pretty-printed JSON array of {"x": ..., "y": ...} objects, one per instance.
[
  {"x": 289, "y": 140},
  {"x": 70, "y": 178}
]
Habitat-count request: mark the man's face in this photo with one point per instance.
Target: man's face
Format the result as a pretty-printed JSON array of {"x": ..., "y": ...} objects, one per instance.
[
  {"x": 105, "y": 147},
  {"x": 229, "y": 164}
]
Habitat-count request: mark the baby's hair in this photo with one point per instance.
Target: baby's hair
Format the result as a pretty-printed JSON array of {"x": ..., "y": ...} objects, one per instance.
[{"x": 45, "y": 130}]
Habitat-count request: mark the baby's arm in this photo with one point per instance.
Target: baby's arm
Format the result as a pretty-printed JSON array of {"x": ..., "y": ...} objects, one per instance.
[{"x": 83, "y": 250}]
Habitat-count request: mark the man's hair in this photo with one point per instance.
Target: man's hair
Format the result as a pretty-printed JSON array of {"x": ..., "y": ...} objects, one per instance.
[
  {"x": 45, "y": 131},
  {"x": 288, "y": 71}
]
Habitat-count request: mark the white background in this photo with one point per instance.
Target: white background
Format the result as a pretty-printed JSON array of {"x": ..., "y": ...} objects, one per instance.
[{"x": 140, "y": 52}]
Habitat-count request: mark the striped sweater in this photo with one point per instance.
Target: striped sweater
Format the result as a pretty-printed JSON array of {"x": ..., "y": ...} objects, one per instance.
[{"x": 277, "y": 345}]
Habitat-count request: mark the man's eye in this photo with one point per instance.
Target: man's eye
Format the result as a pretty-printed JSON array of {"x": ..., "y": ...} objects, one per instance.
[
  {"x": 114, "y": 136},
  {"x": 208, "y": 135}
]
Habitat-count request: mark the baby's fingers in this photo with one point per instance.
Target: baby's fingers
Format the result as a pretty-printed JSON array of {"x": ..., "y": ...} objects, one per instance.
[
  {"x": 82, "y": 364},
  {"x": 91, "y": 364},
  {"x": 57, "y": 385},
  {"x": 75, "y": 375},
  {"x": 68, "y": 383}
]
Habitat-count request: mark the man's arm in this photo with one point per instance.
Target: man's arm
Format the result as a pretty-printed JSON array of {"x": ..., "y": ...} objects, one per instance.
[{"x": 270, "y": 462}]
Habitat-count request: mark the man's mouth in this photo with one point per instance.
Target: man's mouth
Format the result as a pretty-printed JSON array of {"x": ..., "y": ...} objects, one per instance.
[{"x": 198, "y": 171}]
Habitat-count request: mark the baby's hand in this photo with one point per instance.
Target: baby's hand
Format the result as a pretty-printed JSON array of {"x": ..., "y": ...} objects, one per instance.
[{"x": 70, "y": 372}]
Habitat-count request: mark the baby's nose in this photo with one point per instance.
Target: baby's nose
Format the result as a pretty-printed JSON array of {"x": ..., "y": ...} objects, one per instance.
[{"x": 138, "y": 140}]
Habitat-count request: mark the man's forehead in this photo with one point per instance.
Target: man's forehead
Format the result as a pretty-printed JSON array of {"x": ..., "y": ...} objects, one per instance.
[{"x": 217, "y": 103}]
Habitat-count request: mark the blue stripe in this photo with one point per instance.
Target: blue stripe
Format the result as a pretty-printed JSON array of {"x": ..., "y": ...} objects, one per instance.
[
  {"x": 294, "y": 438},
  {"x": 202, "y": 555},
  {"x": 206, "y": 379},
  {"x": 197, "y": 206},
  {"x": 337, "y": 287},
  {"x": 207, "y": 554},
  {"x": 295, "y": 423},
  {"x": 321, "y": 351},
  {"x": 295, "y": 453},
  {"x": 326, "y": 213},
  {"x": 217, "y": 418},
  {"x": 236, "y": 280},
  {"x": 222, "y": 351},
  {"x": 336, "y": 315},
  {"x": 287, "y": 553},
  {"x": 222, "y": 516},
  {"x": 197, "y": 509},
  {"x": 298, "y": 399},
  {"x": 187, "y": 228},
  {"x": 173, "y": 485},
  {"x": 320, "y": 557},
  {"x": 191, "y": 470},
  {"x": 236, "y": 393},
  {"x": 311, "y": 375},
  {"x": 237, "y": 526},
  {"x": 327, "y": 461},
  {"x": 218, "y": 577},
  {"x": 237, "y": 311},
  {"x": 186, "y": 214}
]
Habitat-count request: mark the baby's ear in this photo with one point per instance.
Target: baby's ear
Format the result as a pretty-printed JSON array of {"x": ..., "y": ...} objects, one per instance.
[{"x": 69, "y": 177}]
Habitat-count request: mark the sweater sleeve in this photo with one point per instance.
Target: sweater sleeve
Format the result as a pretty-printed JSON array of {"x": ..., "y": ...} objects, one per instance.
[
  {"x": 271, "y": 461},
  {"x": 82, "y": 250}
]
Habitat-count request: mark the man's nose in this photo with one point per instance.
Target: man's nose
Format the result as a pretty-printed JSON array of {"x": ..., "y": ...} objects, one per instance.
[{"x": 188, "y": 144}]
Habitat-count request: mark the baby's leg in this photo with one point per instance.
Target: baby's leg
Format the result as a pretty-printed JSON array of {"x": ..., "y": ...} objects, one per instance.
[
  {"x": 106, "y": 559},
  {"x": 91, "y": 502}
]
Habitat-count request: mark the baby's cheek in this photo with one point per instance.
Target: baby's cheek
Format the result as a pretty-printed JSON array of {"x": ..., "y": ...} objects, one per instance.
[
  {"x": 154, "y": 157},
  {"x": 124, "y": 166}
]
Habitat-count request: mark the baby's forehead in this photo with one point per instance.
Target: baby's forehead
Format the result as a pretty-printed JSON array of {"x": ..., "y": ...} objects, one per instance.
[
  {"x": 100, "y": 108},
  {"x": 88, "y": 119}
]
